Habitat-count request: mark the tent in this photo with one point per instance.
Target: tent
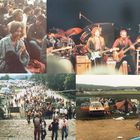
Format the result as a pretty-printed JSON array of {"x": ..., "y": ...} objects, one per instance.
[{"x": 121, "y": 105}]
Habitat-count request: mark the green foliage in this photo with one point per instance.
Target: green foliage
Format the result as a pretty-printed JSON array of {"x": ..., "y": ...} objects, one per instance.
[
  {"x": 61, "y": 81},
  {"x": 69, "y": 94},
  {"x": 39, "y": 78},
  {"x": 69, "y": 82},
  {"x": 56, "y": 82},
  {"x": 5, "y": 77},
  {"x": 25, "y": 78}
]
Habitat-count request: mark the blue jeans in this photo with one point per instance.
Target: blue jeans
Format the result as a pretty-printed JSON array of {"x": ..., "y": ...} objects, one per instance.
[
  {"x": 54, "y": 134},
  {"x": 64, "y": 133}
]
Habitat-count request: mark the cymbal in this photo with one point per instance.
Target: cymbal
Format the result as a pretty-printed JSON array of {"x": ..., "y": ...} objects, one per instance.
[{"x": 74, "y": 31}]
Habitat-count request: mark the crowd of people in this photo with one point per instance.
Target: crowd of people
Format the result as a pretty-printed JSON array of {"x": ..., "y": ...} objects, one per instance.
[
  {"x": 22, "y": 37},
  {"x": 41, "y": 104},
  {"x": 56, "y": 125}
]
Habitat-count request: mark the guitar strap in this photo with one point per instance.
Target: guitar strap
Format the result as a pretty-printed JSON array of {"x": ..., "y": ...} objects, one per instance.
[
  {"x": 92, "y": 44},
  {"x": 121, "y": 45}
]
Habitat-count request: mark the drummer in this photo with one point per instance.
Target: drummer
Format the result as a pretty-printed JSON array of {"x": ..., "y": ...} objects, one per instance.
[
  {"x": 95, "y": 43},
  {"x": 50, "y": 43},
  {"x": 53, "y": 42}
]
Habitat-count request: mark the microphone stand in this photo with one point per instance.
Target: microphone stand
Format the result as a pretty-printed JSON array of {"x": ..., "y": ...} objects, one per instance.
[{"x": 86, "y": 19}]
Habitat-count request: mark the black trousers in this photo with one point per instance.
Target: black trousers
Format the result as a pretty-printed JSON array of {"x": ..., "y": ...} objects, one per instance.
[
  {"x": 13, "y": 65},
  {"x": 130, "y": 62},
  {"x": 43, "y": 134}
]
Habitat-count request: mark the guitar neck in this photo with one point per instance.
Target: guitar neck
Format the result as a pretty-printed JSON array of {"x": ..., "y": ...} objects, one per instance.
[
  {"x": 114, "y": 49},
  {"x": 127, "y": 49},
  {"x": 106, "y": 51},
  {"x": 130, "y": 47}
]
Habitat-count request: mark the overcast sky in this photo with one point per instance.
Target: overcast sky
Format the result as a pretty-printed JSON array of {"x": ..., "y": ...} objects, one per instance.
[{"x": 109, "y": 80}]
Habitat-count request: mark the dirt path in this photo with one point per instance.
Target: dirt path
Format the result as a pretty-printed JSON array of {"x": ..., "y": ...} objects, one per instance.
[
  {"x": 108, "y": 129},
  {"x": 20, "y": 130}
]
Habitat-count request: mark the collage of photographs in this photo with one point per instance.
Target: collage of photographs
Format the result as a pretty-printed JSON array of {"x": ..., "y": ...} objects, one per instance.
[{"x": 69, "y": 70}]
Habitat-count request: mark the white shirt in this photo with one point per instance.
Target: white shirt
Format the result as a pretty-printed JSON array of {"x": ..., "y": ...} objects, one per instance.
[{"x": 63, "y": 123}]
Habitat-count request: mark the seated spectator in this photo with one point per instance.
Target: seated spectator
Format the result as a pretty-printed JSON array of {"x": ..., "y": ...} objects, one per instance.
[
  {"x": 38, "y": 26},
  {"x": 13, "y": 54}
]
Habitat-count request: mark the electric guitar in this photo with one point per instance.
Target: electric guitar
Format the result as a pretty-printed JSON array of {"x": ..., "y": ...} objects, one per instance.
[
  {"x": 98, "y": 54},
  {"x": 118, "y": 56}
]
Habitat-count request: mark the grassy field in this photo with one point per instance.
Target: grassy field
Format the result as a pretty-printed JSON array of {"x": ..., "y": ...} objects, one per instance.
[{"x": 107, "y": 129}]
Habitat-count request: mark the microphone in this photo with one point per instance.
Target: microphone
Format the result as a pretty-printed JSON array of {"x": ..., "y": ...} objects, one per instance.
[{"x": 79, "y": 15}]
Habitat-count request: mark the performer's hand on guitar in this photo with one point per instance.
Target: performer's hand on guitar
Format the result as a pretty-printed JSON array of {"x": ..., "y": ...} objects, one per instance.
[
  {"x": 132, "y": 47},
  {"x": 100, "y": 52},
  {"x": 111, "y": 50}
]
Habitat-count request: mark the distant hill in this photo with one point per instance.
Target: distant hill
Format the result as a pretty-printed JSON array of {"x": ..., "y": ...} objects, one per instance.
[
  {"x": 101, "y": 87},
  {"x": 19, "y": 77},
  {"x": 15, "y": 76}
]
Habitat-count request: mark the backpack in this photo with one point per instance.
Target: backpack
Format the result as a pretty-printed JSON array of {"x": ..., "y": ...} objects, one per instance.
[{"x": 50, "y": 127}]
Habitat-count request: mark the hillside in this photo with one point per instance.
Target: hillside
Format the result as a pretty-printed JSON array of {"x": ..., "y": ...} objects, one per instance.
[{"x": 104, "y": 88}]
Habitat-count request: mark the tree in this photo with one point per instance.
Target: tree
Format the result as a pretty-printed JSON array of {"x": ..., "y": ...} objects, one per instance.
[
  {"x": 41, "y": 78},
  {"x": 69, "y": 82},
  {"x": 61, "y": 81},
  {"x": 5, "y": 77},
  {"x": 56, "y": 82}
]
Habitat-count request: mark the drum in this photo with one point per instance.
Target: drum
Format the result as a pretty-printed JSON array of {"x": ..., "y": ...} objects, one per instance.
[
  {"x": 123, "y": 68},
  {"x": 66, "y": 41},
  {"x": 107, "y": 31},
  {"x": 85, "y": 35}
]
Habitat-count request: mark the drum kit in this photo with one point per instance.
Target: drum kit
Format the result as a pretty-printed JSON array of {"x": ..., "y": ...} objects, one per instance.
[{"x": 62, "y": 41}]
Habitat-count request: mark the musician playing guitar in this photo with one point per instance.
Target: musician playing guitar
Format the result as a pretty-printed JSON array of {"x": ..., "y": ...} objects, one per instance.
[
  {"x": 95, "y": 43},
  {"x": 125, "y": 45}
]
